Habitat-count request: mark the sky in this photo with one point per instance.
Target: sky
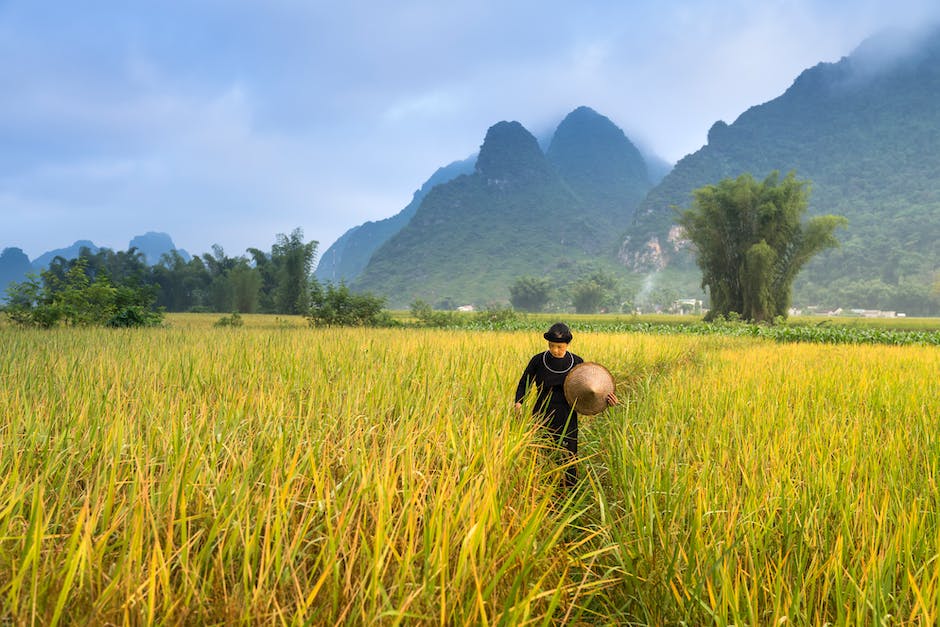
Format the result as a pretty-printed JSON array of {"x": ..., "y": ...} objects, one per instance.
[{"x": 230, "y": 121}]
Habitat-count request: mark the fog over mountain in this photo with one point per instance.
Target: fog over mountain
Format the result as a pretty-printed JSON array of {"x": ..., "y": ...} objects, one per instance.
[
  {"x": 864, "y": 131},
  {"x": 521, "y": 212},
  {"x": 228, "y": 123}
]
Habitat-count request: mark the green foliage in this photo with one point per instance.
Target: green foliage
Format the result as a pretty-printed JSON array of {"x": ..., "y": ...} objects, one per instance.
[
  {"x": 345, "y": 259},
  {"x": 246, "y": 285},
  {"x": 181, "y": 285},
  {"x": 338, "y": 306},
  {"x": 135, "y": 316},
  {"x": 519, "y": 214},
  {"x": 587, "y": 296},
  {"x": 28, "y": 304},
  {"x": 589, "y": 293},
  {"x": 67, "y": 294},
  {"x": 910, "y": 295},
  {"x": 233, "y": 320},
  {"x": 530, "y": 293},
  {"x": 867, "y": 141},
  {"x": 429, "y": 317},
  {"x": 275, "y": 282},
  {"x": 496, "y": 317},
  {"x": 750, "y": 243},
  {"x": 293, "y": 260}
]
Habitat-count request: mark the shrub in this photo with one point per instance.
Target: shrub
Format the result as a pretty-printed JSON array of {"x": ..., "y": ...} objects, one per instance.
[
  {"x": 234, "y": 320},
  {"x": 337, "y": 306},
  {"x": 78, "y": 301},
  {"x": 426, "y": 316},
  {"x": 495, "y": 316}
]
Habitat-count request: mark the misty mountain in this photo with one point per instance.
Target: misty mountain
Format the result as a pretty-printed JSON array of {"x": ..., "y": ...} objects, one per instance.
[
  {"x": 521, "y": 212},
  {"x": 865, "y": 131},
  {"x": 601, "y": 166},
  {"x": 153, "y": 245},
  {"x": 70, "y": 252},
  {"x": 345, "y": 259},
  {"x": 14, "y": 266}
]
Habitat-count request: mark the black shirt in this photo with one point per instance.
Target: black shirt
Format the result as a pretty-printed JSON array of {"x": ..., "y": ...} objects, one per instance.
[{"x": 548, "y": 374}]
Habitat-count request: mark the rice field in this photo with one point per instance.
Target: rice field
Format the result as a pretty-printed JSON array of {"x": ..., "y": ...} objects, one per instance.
[{"x": 276, "y": 474}]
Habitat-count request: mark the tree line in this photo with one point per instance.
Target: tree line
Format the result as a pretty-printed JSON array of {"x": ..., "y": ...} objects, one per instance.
[
  {"x": 120, "y": 289},
  {"x": 749, "y": 239}
]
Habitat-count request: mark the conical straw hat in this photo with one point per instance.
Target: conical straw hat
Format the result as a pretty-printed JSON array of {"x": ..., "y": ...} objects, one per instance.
[{"x": 587, "y": 387}]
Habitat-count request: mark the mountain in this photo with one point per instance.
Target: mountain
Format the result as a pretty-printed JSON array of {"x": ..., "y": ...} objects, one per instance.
[
  {"x": 521, "y": 212},
  {"x": 601, "y": 166},
  {"x": 865, "y": 131},
  {"x": 657, "y": 167},
  {"x": 345, "y": 259},
  {"x": 153, "y": 245},
  {"x": 14, "y": 266},
  {"x": 71, "y": 252}
]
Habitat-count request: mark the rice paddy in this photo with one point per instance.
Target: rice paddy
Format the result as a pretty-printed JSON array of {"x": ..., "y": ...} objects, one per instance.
[{"x": 279, "y": 474}]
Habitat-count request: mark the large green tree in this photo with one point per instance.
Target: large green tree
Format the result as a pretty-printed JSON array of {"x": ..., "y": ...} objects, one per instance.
[
  {"x": 293, "y": 259},
  {"x": 750, "y": 242},
  {"x": 530, "y": 293}
]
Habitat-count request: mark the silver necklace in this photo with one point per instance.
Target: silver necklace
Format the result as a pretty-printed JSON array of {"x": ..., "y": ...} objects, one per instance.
[{"x": 549, "y": 368}]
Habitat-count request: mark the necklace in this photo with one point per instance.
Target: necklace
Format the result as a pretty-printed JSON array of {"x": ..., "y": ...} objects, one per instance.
[{"x": 549, "y": 368}]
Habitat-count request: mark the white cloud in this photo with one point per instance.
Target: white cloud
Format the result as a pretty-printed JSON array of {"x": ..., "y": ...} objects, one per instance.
[{"x": 230, "y": 122}]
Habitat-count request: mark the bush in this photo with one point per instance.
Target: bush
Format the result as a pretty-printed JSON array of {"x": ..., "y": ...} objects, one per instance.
[
  {"x": 426, "y": 316},
  {"x": 78, "y": 301},
  {"x": 495, "y": 316},
  {"x": 135, "y": 316},
  {"x": 235, "y": 320},
  {"x": 337, "y": 306}
]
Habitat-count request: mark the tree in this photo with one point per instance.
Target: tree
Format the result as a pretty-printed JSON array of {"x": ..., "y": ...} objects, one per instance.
[
  {"x": 182, "y": 285},
  {"x": 268, "y": 272},
  {"x": 294, "y": 262},
  {"x": 286, "y": 273},
  {"x": 750, "y": 242},
  {"x": 68, "y": 294},
  {"x": 337, "y": 306},
  {"x": 218, "y": 265},
  {"x": 246, "y": 286},
  {"x": 587, "y": 296},
  {"x": 591, "y": 292},
  {"x": 530, "y": 293}
]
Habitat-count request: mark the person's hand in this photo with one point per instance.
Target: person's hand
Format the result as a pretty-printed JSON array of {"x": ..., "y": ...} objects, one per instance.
[
  {"x": 612, "y": 399},
  {"x": 519, "y": 407}
]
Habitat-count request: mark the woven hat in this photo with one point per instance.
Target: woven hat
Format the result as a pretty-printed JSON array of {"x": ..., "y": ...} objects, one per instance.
[{"x": 587, "y": 386}]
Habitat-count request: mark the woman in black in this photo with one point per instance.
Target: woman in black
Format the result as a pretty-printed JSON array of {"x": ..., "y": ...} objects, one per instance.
[{"x": 547, "y": 371}]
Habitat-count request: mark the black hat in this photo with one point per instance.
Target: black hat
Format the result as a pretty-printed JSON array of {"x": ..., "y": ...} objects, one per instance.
[{"x": 558, "y": 332}]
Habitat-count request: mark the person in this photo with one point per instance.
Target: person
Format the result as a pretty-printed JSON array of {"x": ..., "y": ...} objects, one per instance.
[{"x": 547, "y": 372}]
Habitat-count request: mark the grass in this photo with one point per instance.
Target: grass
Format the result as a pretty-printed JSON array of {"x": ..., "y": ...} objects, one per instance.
[{"x": 275, "y": 473}]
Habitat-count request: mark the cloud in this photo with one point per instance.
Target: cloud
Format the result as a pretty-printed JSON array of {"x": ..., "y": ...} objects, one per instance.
[{"x": 229, "y": 121}]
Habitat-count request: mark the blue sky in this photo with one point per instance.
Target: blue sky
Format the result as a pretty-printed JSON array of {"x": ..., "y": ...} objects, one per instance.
[{"x": 229, "y": 121}]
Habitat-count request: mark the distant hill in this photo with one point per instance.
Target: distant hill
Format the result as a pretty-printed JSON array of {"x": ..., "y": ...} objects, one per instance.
[
  {"x": 153, "y": 245},
  {"x": 70, "y": 252},
  {"x": 521, "y": 212},
  {"x": 14, "y": 266},
  {"x": 866, "y": 132},
  {"x": 345, "y": 259}
]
